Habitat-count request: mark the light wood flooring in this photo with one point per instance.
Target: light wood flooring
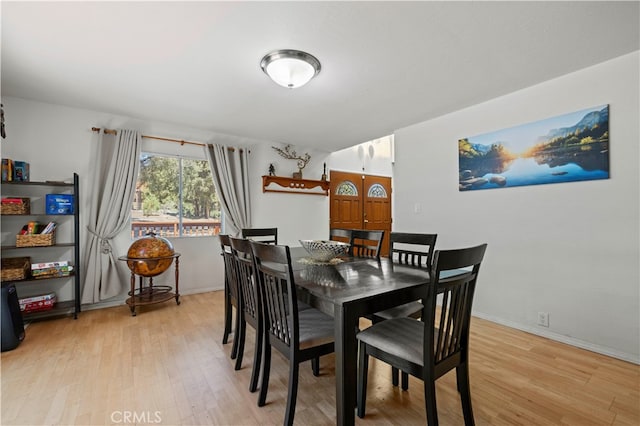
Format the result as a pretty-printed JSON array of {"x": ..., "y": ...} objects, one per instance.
[{"x": 168, "y": 366}]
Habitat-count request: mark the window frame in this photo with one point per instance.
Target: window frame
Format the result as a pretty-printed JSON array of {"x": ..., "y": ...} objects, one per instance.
[{"x": 180, "y": 215}]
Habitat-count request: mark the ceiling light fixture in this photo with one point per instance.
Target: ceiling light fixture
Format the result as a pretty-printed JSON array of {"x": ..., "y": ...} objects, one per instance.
[{"x": 290, "y": 68}]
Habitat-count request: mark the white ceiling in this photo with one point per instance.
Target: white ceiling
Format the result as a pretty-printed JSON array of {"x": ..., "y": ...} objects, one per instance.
[{"x": 385, "y": 65}]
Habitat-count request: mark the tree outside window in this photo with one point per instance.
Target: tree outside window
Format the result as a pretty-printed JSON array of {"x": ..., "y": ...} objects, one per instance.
[{"x": 175, "y": 197}]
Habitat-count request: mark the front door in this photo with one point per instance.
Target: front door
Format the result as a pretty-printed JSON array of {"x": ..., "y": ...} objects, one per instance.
[{"x": 360, "y": 201}]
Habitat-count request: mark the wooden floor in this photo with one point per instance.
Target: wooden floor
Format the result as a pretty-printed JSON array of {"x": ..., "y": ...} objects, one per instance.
[{"x": 168, "y": 366}]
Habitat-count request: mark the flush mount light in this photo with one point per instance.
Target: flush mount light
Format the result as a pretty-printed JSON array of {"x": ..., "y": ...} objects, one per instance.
[{"x": 290, "y": 68}]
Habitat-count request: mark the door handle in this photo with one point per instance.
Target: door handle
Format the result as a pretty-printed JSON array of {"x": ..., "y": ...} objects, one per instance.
[{"x": 366, "y": 221}]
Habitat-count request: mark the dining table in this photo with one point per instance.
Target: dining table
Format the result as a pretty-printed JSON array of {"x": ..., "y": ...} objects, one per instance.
[{"x": 349, "y": 288}]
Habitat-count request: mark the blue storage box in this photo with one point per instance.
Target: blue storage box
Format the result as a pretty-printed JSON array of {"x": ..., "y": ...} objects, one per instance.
[{"x": 59, "y": 203}]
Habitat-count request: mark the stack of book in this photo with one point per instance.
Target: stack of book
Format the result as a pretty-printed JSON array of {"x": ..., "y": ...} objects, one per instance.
[
  {"x": 37, "y": 303},
  {"x": 49, "y": 228},
  {"x": 34, "y": 228},
  {"x": 51, "y": 269},
  {"x": 12, "y": 170}
]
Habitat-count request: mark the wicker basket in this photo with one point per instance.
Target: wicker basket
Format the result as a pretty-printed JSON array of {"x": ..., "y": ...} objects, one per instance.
[
  {"x": 35, "y": 240},
  {"x": 16, "y": 268},
  {"x": 15, "y": 205}
]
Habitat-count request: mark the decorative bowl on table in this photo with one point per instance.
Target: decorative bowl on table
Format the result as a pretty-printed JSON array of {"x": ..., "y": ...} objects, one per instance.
[{"x": 324, "y": 250}]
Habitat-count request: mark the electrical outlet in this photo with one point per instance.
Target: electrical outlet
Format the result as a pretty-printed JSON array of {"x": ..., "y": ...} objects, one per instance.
[{"x": 543, "y": 319}]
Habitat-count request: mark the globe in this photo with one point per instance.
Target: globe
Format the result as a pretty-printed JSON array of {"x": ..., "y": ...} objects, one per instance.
[{"x": 150, "y": 255}]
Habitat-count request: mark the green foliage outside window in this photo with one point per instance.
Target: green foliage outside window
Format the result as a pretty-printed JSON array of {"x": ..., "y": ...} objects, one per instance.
[{"x": 159, "y": 205}]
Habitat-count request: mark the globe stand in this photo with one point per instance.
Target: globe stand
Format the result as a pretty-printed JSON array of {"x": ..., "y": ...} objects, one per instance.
[{"x": 150, "y": 294}]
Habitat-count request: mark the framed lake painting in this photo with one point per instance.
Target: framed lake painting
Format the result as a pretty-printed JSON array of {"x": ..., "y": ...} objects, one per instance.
[{"x": 568, "y": 148}]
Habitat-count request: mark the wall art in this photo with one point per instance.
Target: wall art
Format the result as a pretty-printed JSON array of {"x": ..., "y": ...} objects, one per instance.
[{"x": 567, "y": 148}]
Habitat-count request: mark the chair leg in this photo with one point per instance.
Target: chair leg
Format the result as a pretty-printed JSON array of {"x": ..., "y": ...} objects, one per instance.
[
  {"x": 293, "y": 392},
  {"x": 257, "y": 358},
  {"x": 315, "y": 366},
  {"x": 405, "y": 381},
  {"x": 394, "y": 378},
  {"x": 227, "y": 316},
  {"x": 242, "y": 331},
  {"x": 430, "y": 401},
  {"x": 462, "y": 376},
  {"x": 363, "y": 370},
  {"x": 234, "y": 348},
  {"x": 266, "y": 368}
]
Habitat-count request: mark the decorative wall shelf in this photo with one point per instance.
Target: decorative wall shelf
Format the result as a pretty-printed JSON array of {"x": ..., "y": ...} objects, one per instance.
[{"x": 295, "y": 186}]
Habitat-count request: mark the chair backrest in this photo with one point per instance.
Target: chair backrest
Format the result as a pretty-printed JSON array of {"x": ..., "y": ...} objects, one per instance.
[
  {"x": 277, "y": 294},
  {"x": 412, "y": 249},
  {"x": 230, "y": 275},
  {"x": 365, "y": 243},
  {"x": 263, "y": 235},
  {"x": 243, "y": 258},
  {"x": 446, "y": 332},
  {"x": 339, "y": 234}
]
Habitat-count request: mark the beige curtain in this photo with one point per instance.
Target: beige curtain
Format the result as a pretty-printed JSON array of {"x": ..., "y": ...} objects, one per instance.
[
  {"x": 230, "y": 170},
  {"x": 115, "y": 168}
]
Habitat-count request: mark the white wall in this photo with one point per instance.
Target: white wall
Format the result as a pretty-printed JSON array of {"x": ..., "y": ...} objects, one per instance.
[
  {"x": 307, "y": 216},
  {"x": 373, "y": 157},
  {"x": 569, "y": 249},
  {"x": 57, "y": 141},
  {"x": 297, "y": 216}
]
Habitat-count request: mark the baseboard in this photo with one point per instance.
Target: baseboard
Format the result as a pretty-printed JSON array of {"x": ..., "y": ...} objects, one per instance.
[
  {"x": 103, "y": 305},
  {"x": 603, "y": 350},
  {"x": 121, "y": 301}
]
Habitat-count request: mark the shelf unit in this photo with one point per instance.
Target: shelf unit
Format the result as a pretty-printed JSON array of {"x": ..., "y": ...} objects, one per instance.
[
  {"x": 294, "y": 185},
  {"x": 39, "y": 189}
]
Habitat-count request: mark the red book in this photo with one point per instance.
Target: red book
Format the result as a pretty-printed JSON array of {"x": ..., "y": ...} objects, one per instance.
[{"x": 11, "y": 200}]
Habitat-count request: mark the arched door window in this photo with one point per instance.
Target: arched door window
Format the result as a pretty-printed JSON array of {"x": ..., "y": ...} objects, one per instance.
[
  {"x": 377, "y": 191},
  {"x": 347, "y": 188}
]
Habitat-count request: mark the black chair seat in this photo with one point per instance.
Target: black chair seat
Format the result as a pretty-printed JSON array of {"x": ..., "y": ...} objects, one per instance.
[
  {"x": 401, "y": 337},
  {"x": 411, "y": 310}
]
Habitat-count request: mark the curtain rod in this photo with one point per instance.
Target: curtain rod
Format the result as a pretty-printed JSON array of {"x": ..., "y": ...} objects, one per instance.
[{"x": 181, "y": 142}]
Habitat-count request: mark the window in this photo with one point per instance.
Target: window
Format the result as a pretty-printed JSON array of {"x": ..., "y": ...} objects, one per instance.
[
  {"x": 175, "y": 197},
  {"x": 377, "y": 191},
  {"x": 347, "y": 188}
]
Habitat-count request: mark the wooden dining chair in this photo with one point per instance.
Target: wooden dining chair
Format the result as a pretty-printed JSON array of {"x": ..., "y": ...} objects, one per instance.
[
  {"x": 231, "y": 293},
  {"x": 263, "y": 235},
  {"x": 249, "y": 308},
  {"x": 439, "y": 342},
  {"x": 415, "y": 250},
  {"x": 339, "y": 234},
  {"x": 366, "y": 243},
  {"x": 299, "y": 335}
]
